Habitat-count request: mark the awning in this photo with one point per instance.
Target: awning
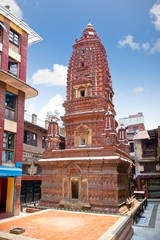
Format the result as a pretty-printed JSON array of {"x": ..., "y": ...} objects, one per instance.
[
  {"x": 10, "y": 171},
  {"x": 15, "y": 82}
]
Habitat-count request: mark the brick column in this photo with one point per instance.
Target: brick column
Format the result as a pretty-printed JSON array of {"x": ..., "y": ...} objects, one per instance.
[
  {"x": 23, "y": 52},
  {"x": 2, "y": 115},
  {"x": 5, "y": 42},
  {"x": 20, "y": 127}
]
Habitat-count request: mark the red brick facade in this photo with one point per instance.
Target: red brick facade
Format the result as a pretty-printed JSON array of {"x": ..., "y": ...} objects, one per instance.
[
  {"x": 92, "y": 172},
  {"x": 13, "y": 91},
  {"x": 23, "y": 52},
  {"x": 2, "y": 114},
  {"x": 5, "y": 41}
]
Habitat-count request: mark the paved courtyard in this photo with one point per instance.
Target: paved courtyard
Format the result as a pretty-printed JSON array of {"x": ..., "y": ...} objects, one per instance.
[
  {"x": 148, "y": 226},
  {"x": 52, "y": 224}
]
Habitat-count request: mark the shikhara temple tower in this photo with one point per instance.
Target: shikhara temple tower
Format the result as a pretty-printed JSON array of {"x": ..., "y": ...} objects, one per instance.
[{"x": 93, "y": 171}]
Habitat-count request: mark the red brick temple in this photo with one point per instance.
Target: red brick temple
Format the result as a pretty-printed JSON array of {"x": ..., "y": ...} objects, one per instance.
[{"x": 94, "y": 170}]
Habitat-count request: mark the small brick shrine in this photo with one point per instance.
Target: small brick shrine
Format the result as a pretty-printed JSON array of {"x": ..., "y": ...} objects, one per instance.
[{"x": 94, "y": 170}]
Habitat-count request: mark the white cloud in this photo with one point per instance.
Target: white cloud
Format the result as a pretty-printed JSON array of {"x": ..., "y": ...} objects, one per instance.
[
  {"x": 14, "y": 8},
  {"x": 155, "y": 15},
  {"x": 138, "y": 89},
  {"x": 146, "y": 46},
  {"x": 30, "y": 109},
  {"x": 46, "y": 76},
  {"x": 156, "y": 46},
  {"x": 129, "y": 41},
  {"x": 54, "y": 106}
]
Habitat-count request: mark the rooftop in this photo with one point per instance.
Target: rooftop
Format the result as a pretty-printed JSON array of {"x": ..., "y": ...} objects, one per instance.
[{"x": 33, "y": 37}]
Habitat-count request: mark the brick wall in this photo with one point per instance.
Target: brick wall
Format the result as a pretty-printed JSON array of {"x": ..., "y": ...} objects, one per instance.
[
  {"x": 20, "y": 127},
  {"x": 5, "y": 42},
  {"x": 2, "y": 114},
  {"x": 23, "y": 52}
]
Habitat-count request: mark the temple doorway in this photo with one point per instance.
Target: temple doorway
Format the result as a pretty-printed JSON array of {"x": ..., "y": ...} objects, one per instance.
[{"x": 75, "y": 189}]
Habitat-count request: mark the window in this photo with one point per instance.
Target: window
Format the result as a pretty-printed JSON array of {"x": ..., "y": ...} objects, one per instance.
[
  {"x": 83, "y": 140},
  {"x": 149, "y": 145},
  {"x": 82, "y": 93},
  {"x": 30, "y": 138},
  {"x": 1, "y": 31},
  {"x": 43, "y": 142},
  {"x": 8, "y": 147},
  {"x": 13, "y": 37},
  {"x": 107, "y": 140},
  {"x": 10, "y": 100},
  {"x": 131, "y": 147},
  {"x": 10, "y": 106},
  {"x": 135, "y": 129},
  {"x": 13, "y": 67}
]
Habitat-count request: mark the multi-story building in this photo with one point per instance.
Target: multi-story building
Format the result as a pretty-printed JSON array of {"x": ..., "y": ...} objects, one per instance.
[
  {"x": 132, "y": 123},
  {"x": 35, "y": 132},
  {"x": 15, "y": 36},
  {"x": 34, "y": 144},
  {"x": 93, "y": 171},
  {"x": 147, "y": 160}
]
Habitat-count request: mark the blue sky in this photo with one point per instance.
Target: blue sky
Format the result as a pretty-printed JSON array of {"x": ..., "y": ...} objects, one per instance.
[{"x": 130, "y": 33}]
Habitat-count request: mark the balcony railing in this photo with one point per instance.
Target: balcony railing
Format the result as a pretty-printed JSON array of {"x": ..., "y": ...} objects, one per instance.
[
  {"x": 34, "y": 120},
  {"x": 149, "y": 153},
  {"x": 10, "y": 114}
]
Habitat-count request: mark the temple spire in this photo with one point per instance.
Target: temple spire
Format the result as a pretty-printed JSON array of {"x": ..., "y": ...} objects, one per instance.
[{"x": 89, "y": 24}]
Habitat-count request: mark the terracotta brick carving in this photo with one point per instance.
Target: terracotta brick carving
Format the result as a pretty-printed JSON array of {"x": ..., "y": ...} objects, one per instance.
[{"x": 94, "y": 168}]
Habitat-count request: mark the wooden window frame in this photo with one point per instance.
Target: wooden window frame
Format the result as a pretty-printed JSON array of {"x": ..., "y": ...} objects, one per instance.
[
  {"x": 29, "y": 138},
  {"x": 10, "y": 109},
  {"x": 14, "y": 37},
  {"x": 13, "y": 67},
  {"x": 8, "y": 148}
]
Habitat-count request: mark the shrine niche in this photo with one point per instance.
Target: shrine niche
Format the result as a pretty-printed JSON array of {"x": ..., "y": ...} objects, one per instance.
[
  {"x": 82, "y": 90},
  {"x": 82, "y": 136},
  {"x": 94, "y": 168}
]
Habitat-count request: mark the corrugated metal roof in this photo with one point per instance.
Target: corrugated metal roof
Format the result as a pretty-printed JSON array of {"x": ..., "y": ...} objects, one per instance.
[
  {"x": 141, "y": 135},
  {"x": 33, "y": 37}
]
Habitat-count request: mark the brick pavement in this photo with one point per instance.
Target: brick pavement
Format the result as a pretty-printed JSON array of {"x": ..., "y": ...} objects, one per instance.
[{"x": 58, "y": 225}]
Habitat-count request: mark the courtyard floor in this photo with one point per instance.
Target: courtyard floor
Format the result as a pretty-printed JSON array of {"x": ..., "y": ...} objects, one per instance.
[{"x": 56, "y": 225}]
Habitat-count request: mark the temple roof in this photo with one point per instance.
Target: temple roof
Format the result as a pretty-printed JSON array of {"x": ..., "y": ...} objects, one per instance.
[{"x": 89, "y": 32}]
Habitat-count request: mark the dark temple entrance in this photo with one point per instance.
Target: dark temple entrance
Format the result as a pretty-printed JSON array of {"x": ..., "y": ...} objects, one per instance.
[{"x": 75, "y": 190}]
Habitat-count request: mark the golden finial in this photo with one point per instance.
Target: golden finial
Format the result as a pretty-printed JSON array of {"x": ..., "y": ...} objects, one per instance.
[{"x": 89, "y": 24}]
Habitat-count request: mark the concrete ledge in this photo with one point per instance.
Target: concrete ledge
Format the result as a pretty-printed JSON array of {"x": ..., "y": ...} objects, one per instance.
[
  {"x": 8, "y": 236},
  {"x": 121, "y": 230}
]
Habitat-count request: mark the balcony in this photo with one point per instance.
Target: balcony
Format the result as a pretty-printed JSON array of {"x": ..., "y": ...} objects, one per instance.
[
  {"x": 10, "y": 114},
  {"x": 149, "y": 153}
]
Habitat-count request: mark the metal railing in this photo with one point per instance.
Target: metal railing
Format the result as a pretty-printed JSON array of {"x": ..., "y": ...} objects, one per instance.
[{"x": 34, "y": 120}]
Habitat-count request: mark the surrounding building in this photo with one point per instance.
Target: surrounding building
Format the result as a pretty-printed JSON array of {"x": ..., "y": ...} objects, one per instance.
[
  {"x": 34, "y": 144},
  {"x": 93, "y": 171},
  {"x": 15, "y": 36},
  {"x": 147, "y": 159},
  {"x": 35, "y": 132},
  {"x": 132, "y": 123}
]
